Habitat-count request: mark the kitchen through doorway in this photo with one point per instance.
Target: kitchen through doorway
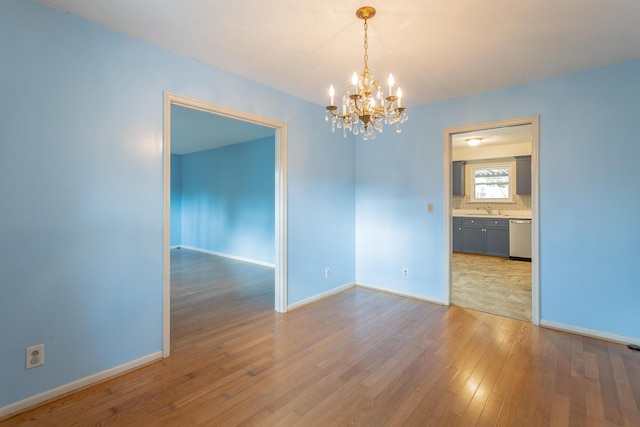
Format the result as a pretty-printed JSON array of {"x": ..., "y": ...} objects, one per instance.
[{"x": 492, "y": 193}]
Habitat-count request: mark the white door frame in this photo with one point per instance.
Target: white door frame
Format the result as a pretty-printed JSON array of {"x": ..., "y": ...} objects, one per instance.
[
  {"x": 534, "y": 121},
  {"x": 280, "y": 200}
]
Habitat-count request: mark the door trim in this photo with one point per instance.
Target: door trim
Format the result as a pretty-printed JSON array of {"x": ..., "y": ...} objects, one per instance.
[
  {"x": 534, "y": 121},
  {"x": 280, "y": 128}
]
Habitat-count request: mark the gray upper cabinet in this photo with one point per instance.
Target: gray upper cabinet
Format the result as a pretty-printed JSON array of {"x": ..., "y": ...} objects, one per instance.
[
  {"x": 457, "y": 181},
  {"x": 523, "y": 175}
]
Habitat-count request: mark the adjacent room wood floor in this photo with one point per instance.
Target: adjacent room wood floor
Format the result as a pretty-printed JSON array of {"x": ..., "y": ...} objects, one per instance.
[{"x": 358, "y": 358}]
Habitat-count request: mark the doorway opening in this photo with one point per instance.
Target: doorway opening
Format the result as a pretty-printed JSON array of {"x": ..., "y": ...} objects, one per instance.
[
  {"x": 280, "y": 129},
  {"x": 489, "y": 195}
]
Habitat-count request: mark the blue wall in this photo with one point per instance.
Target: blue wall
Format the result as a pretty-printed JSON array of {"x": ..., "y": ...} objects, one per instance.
[
  {"x": 81, "y": 183},
  {"x": 395, "y": 179},
  {"x": 589, "y": 198},
  {"x": 228, "y": 200},
  {"x": 176, "y": 200}
]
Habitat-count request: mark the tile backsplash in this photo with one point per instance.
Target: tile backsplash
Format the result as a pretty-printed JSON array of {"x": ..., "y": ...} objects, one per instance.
[{"x": 522, "y": 203}]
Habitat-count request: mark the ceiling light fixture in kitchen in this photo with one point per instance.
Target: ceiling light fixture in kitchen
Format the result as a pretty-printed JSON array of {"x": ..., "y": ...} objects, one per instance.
[
  {"x": 364, "y": 106},
  {"x": 474, "y": 141}
]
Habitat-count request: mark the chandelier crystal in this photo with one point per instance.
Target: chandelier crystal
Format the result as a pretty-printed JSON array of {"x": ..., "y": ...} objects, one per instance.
[{"x": 365, "y": 107}]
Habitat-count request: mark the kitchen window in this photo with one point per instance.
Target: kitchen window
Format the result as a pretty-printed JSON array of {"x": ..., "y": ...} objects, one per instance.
[{"x": 492, "y": 183}]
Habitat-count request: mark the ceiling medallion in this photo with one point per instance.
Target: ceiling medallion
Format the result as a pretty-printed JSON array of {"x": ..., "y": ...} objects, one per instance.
[{"x": 365, "y": 107}]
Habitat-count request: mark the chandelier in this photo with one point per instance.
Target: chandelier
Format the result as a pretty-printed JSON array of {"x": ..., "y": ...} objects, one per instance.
[{"x": 365, "y": 107}]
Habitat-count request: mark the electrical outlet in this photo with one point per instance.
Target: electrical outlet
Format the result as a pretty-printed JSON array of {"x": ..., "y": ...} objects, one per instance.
[
  {"x": 35, "y": 356},
  {"x": 430, "y": 208},
  {"x": 405, "y": 272},
  {"x": 327, "y": 273}
]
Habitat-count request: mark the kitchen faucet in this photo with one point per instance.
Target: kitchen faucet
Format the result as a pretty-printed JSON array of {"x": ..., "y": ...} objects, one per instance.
[{"x": 488, "y": 210}]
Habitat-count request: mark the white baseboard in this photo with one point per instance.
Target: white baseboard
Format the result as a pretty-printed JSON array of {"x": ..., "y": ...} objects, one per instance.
[
  {"x": 38, "y": 399},
  {"x": 234, "y": 257},
  {"x": 348, "y": 286},
  {"x": 320, "y": 296},
  {"x": 400, "y": 293},
  {"x": 589, "y": 332}
]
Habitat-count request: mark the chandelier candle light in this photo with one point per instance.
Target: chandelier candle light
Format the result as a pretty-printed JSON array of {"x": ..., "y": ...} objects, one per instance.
[{"x": 364, "y": 106}]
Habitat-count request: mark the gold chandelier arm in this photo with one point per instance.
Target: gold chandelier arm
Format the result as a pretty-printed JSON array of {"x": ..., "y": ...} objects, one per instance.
[{"x": 358, "y": 109}]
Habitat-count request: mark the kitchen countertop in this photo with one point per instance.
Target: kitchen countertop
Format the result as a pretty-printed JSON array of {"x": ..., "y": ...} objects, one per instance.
[{"x": 481, "y": 213}]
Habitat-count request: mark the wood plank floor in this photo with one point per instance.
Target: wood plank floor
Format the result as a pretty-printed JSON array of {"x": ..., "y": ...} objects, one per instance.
[
  {"x": 491, "y": 284},
  {"x": 358, "y": 358}
]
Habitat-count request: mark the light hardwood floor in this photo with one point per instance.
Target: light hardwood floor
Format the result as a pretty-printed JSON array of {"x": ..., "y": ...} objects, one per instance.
[
  {"x": 491, "y": 284},
  {"x": 358, "y": 358}
]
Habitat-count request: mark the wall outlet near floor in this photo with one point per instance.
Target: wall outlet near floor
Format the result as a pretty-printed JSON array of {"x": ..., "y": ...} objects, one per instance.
[
  {"x": 327, "y": 273},
  {"x": 35, "y": 356},
  {"x": 405, "y": 272}
]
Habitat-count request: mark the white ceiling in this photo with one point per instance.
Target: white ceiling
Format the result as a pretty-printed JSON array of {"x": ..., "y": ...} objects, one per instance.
[
  {"x": 490, "y": 137},
  {"x": 195, "y": 130},
  {"x": 436, "y": 49}
]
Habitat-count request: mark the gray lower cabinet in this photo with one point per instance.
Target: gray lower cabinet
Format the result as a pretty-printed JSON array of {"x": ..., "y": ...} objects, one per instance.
[
  {"x": 496, "y": 236},
  {"x": 473, "y": 235},
  {"x": 485, "y": 236},
  {"x": 457, "y": 234}
]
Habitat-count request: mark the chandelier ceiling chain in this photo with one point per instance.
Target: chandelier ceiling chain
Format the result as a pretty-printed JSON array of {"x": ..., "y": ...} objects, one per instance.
[
  {"x": 366, "y": 46},
  {"x": 364, "y": 106}
]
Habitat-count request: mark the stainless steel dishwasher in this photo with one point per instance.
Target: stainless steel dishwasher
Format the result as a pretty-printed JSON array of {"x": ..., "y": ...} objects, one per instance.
[{"x": 520, "y": 239}]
